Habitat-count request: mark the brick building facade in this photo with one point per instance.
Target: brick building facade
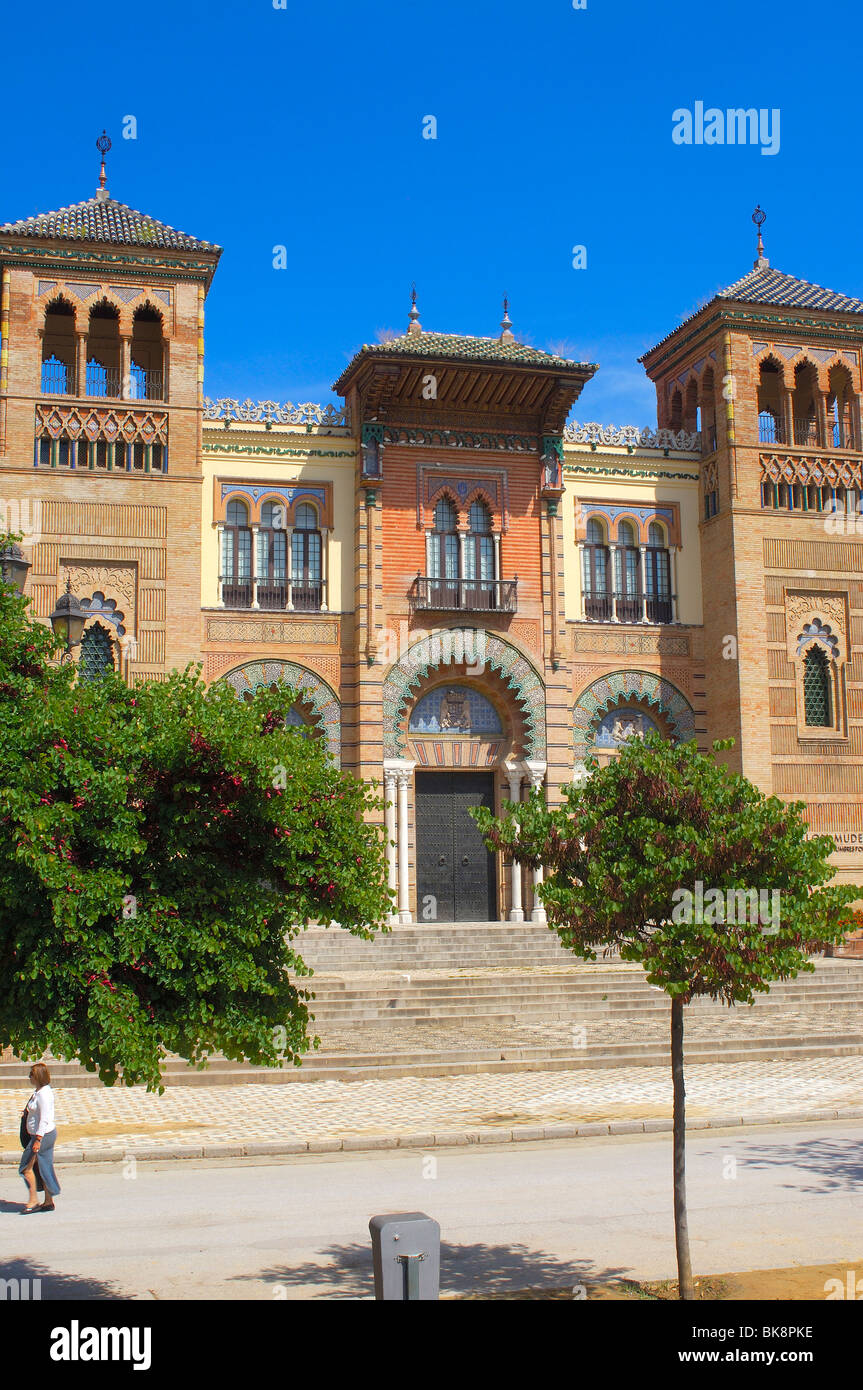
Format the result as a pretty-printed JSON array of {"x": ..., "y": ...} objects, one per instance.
[{"x": 470, "y": 593}]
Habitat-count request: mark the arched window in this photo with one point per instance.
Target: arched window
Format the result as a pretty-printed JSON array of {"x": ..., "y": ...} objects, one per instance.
[
  {"x": 272, "y": 561},
  {"x": 657, "y": 571},
  {"x": 306, "y": 560},
  {"x": 146, "y": 381},
  {"x": 237, "y": 557},
  {"x": 840, "y": 409},
  {"x": 595, "y": 573},
  {"x": 443, "y": 558},
  {"x": 771, "y": 423},
  {"x": 58, "y": 349},
  {"x": 103, "y": 348},
  {"x": 803, "y": 404},
  {"x": 628, "y": 574},
  {"x": 479, "y": 559},
  {"x": 97, "y": 654},
  {"x": 816, "y": 689}
]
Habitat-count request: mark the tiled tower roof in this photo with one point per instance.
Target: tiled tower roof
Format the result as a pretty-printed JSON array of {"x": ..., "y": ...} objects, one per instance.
[
  {"x": 764, "y": 285},
  {"x": 462, "y": 348},
  {"x": 103, "y": 219}
]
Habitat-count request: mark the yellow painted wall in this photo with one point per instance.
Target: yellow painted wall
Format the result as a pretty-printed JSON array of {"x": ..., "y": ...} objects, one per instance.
[
  {"x": 302, "y": 465},
  {"x": 642, "y": 491}
]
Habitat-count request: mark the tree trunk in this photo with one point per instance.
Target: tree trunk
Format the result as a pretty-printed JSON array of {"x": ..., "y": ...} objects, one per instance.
[{"x": 681, "y": 1226}]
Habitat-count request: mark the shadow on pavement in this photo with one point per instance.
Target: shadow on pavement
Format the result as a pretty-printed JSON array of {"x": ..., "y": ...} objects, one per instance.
[
  {"x": 837, "y": 1163},
  {"x": 345, "y": 1271},
  {"x": 53, "y": 1286}
]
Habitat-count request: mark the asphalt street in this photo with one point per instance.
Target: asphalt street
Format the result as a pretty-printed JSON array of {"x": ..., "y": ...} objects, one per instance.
[{"x": 511, "y": 1216}]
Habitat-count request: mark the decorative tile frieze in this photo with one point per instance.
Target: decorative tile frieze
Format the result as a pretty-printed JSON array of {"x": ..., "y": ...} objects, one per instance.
[
  {"x": 107, "y": 422},
  {"x": 298, "y": 630},
  {"x": 589, "y": 638},
  {"x": 304, "y": 413}
]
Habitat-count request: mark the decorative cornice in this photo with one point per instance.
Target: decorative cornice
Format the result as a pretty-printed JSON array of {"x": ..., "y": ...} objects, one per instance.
[
  {"x": 37, "y": 258},
  {"x": 273, "y": 412},
  {"x": 462, "y": 439},
  {"x": 631, "y": 436},
  {"x": 273, "y": 451},
  {"x": 651, "y": 474}
]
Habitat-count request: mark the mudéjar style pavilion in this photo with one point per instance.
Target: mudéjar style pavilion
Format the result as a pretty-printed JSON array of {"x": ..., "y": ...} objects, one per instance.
[{"x": 470, "y": 592}]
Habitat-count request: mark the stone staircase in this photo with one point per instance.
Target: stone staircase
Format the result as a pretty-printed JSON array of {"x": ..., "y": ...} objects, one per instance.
[{"x": 445, "y": 1000}]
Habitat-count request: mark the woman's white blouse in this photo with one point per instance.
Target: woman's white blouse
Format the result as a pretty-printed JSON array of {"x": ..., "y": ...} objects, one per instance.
[{"x": 40, "y": 1112}]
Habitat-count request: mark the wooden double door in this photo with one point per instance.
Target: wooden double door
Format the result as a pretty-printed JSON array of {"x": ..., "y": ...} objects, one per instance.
[{"x": 455, "y": 871}]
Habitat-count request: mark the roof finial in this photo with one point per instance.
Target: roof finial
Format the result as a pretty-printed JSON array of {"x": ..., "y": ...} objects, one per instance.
[
  {"x": 506, "y": 333},
  {"x": 759, "y": 217},
  {"x": 414, "y": 326},
  {"x": 103, "y": 145}
]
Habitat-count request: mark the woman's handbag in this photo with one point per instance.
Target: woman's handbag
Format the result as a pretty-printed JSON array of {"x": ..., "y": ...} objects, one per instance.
[{"x": 22, "y": 1133}]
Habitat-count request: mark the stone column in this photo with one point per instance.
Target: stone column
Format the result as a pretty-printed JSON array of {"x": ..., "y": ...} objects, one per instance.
[
  {"x": 825, "y": 432},
  {"x": 289, "y": 567},
  {"x": 536, "y": 772},
  {"x": 516, "y": 911},
  {"x": 125, "y": 367},
  {"x": 390, "y": 823},
  {"x": 255, "y": 534},
  {"x": 787, "y": 415},
  {"x": 497, "y": 574},
  {"x": 79, "y": 387},
  {"x": 642, "y": 571},
  {"x": 325, "y": 569},
  {"x": 220, "y": 533},
  {"x": 675, "y": 600},
  {"x": 617, "y": 574},
  {"x": 404, "y": 885}
]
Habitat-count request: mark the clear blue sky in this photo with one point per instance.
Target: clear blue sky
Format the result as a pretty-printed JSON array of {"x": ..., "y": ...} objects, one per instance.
[{"x": 303, "y": 126}]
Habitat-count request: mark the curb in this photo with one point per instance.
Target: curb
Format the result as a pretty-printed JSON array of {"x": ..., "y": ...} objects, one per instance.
[{"x": 440, "y": 1139}]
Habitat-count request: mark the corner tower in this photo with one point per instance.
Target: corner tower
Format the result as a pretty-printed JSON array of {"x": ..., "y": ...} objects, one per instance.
[
  {"x": 101, "y": 400},
  {"x": 769, "y": 372}
]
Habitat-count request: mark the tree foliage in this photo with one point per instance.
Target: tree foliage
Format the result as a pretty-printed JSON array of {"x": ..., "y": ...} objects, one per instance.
[
  {"x": 661, "y": 818},
  {"x": 161, "y": 848}
]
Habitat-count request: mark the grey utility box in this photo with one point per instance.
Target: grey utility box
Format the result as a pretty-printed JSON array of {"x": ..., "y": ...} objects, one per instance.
[{"x": 406, "y": 1254}]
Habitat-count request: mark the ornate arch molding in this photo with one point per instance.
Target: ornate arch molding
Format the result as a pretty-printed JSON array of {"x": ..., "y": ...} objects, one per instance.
[
  {"x": 455, "y": 646},
  {"x": 598, "y": 698},
  {"x": 258, "y": 675}
]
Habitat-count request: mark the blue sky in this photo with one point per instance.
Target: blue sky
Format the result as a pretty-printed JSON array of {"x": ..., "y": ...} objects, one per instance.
[{"x": 303, "y": 127}]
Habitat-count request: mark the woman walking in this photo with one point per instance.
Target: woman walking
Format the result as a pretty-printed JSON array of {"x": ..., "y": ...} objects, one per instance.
[{"x": 40, "y": 1126}]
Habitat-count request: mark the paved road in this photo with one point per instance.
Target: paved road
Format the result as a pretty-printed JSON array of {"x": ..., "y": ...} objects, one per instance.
[{"x": 511, "y": 1216}]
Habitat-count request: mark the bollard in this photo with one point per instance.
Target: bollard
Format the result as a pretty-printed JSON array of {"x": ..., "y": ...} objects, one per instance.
[{"x": 406, "y": 1256}]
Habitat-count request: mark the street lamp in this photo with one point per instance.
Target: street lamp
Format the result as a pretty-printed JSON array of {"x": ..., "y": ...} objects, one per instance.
[
  {"x": 14, "y": 566},
  {"x": 68, "y": 619}
]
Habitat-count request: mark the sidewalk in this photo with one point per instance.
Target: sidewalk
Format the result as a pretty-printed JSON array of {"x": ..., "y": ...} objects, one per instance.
[{"x": 103, "y": 1124}]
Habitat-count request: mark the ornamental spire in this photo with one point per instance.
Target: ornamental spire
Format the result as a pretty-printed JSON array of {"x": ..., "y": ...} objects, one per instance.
[
  {"x": 414, "y": 325},
  {"x": 759, "y": 217},
  {"x": 103, "y": 145},
  {"x": 506, "y": 333}
]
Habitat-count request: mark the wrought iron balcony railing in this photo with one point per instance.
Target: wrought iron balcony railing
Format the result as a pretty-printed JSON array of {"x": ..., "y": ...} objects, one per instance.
[
  {"x": 806, "y": 433},
  {"x": 146, "y": 386},
  {"x": 274, "y": 598},
  {"x": 465, "y": 595},
  {"x": 629, "y": 608},
  {"x": 57, "y": 379}
]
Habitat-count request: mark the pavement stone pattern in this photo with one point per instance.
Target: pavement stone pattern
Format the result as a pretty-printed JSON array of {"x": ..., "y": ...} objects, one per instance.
[{"x": 425, "y": 1111}]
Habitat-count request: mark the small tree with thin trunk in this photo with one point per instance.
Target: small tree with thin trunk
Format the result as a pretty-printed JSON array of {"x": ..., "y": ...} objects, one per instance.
[{"x": 686, "y": 867}]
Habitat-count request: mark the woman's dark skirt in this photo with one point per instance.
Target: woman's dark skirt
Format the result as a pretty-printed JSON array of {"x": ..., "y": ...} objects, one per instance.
[{"x": 46, "y": 1178}]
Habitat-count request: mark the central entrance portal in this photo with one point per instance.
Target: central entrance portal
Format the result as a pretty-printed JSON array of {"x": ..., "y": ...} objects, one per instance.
[{"x": 453, "y": 865}]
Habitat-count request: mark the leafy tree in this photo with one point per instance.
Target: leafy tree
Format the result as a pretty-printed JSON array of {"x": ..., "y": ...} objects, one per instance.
[
  {"x": 624, "y": 858},
  {"x": 161, "y": 849}
]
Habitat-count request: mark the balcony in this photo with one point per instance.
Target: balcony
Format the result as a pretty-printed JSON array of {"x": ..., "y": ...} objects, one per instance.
[
  {"x": 806, "y": 433},
  {"x": 629, "y": 608},
  {"x": 57, "y": 379},
  {"x": 146, "y": 386},
  {"x": 464, "y": 595},
  {"x": 274, "y": 598}
]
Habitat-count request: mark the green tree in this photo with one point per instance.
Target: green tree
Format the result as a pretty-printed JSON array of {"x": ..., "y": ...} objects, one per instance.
[
  {"x": 624, "y": 858},
  {"x": 161, "y": 848}
]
